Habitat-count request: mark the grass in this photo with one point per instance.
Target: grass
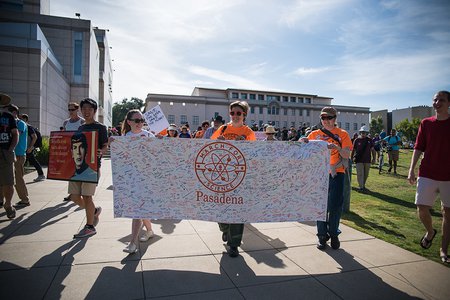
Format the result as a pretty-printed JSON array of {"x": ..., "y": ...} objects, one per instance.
[{"x": 387, "y": 211}]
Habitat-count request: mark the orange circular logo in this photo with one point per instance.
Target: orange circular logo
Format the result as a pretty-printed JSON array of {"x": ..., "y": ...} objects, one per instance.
[{"x": 220, "y": 167}]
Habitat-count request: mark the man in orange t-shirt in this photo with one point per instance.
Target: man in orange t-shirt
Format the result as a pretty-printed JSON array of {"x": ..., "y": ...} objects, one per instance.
[{"x": 340, "y": 145}]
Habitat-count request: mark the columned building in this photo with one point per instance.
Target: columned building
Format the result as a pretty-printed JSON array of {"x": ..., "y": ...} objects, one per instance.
[{"x": 278, "y": 108}]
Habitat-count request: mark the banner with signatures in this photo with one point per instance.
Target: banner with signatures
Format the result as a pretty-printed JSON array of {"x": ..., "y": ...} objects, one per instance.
[{"x": 222, "y": 181}]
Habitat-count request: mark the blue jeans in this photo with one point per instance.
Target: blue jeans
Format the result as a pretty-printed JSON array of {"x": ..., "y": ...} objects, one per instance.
[{"x": 334, "y": 207}]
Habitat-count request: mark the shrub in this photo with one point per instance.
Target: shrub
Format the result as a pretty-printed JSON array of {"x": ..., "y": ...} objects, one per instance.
[{"x": 42, "y": 154}]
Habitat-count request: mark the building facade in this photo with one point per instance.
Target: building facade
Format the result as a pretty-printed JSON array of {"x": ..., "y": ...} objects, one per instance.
[
  {"x": 48, "y": 61},
  {"x": 278, "y": 108},
  {"x": 391, "y": 119}
]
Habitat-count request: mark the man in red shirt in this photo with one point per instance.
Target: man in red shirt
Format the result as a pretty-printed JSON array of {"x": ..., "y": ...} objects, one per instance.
[{"x": 434, "y": 171}]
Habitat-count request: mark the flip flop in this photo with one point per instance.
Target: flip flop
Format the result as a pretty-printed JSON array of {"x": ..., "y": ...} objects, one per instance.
[
  {"x": 445, "y": 259},
  {"x": 426, "y": 243}
]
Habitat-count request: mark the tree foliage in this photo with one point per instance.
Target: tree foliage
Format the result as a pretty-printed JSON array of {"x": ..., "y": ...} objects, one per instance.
[
  {"x": 120, "y": 109},
  {"x": 408, "y": 130},
  {"x": 376, "y": 125}
]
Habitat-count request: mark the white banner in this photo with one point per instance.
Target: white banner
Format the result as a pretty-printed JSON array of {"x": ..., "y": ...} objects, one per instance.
[
  {"x": 156, "y": 120},
  {"x": 223, "y": 181}
]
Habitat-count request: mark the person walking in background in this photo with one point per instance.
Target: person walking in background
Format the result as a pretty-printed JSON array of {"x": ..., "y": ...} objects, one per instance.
[
  {"x": 234, "y": 130},
  {"x": 21, "y": 157},
  {"x": 218, "y": 121},
  {"x": 340, "y": 146},
  {"x": 200, "y": 133},
  {"x": 72, "y": 123},
  {"x": 434, "y": 173},
  {"x": 31, "y": 149},
  {"x": 376, "y": 148},
  {"x": 362, "y": 149},
  {"x": 8, "y": 142},
  {"x": 132, "y": 127},
  {"x": 393, "y": 141},
  {"x": 82, "y": 192}
]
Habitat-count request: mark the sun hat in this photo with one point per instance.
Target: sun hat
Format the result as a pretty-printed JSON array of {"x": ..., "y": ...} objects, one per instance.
[
  {"x": 172, "y": 127},
  {"x": 4, "y": 99},
  {"x": 364, "y": 128},
  {"x": 270, "y": 129}
]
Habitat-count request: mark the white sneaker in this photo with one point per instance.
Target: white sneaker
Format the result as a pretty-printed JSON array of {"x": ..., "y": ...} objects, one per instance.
[
  {"x": 131, "y": 248},
  {"x": 146, "y": 235},
  {"x": 39, "y": 178}
]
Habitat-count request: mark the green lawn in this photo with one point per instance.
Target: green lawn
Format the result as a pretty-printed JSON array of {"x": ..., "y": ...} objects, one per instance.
[{"x": 387, "y": 211}]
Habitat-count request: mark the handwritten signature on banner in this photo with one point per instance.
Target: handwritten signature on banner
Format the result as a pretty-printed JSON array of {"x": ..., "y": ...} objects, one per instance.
[{"x": 223, "y": 181}]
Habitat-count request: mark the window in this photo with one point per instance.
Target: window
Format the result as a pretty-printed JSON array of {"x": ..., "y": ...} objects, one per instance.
[
  {"x": 183, "y": 119},
  {"x": 293, "y": 111},
  {"x": 274, "y": 110},
  {"x": 293, "y": 99},
  {"x": 260, "y": 123},
  {"x": 234, "y": 95},
  {"x": 285, "y": 111},
  {"x": 307, "y": 100},
  {"x": 293, "y": 124},
  {"x": 285, "y": 99},
  {"x": 260, "y": 97},
  {"x": 308, "y": 112},
  {"x": 300, "y": 112},
  {"x": 347, "y": 126},
  {"x": 273, "y": 98},
  {"x": 277, "y": 110},
  {"x": 300, "y": 99},
  {"x": 171, "y": 119},
  {"x": 269, "y": 111},
  {"x": 260, "y": 110},
  {"x": 78, "y": 57},
  {"x": 277, "y": 124},
  {"x": 284, "y": 123},
  {"x": 252, "y": 97},
  {"x": 244, "y": 96},
  {"x": 252, "y": 110},
  {"x": 195, "y": 120},
  {"x": 355, "y": 126},
  {"x": 339, "y": 124}
]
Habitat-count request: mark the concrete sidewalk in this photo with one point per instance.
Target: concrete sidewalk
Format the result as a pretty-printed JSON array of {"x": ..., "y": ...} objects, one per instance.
[{"x": 187, "y": 259}]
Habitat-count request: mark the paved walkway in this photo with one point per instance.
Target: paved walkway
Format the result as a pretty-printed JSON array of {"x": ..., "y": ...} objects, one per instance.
[{"x": 186, "y": 259}]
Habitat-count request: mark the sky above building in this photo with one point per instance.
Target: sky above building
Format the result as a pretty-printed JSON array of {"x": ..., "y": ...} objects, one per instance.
[{"x": 377, "y": 54}]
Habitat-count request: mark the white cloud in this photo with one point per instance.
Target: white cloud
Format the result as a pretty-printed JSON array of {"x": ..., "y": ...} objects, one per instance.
[{"x": 306, "y": 71}]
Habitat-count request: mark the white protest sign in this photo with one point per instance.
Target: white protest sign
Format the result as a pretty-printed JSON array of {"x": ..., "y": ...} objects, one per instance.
[
  {"x": 222, "y": 181},
  {"x": 156, "y": 119}
]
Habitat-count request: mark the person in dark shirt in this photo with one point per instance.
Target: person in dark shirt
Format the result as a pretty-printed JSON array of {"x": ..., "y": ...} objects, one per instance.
[
  {"x": 9, "y": 137},
  {"x": 82, "y": 192},
  {"x": 31, "y": 150}
]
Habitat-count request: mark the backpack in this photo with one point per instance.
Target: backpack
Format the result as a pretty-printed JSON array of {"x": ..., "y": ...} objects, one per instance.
[{"x": 38, "y": 143}]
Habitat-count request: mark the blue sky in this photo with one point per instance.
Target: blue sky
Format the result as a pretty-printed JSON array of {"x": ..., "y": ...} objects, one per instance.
[{"x": 377, "y": 54}]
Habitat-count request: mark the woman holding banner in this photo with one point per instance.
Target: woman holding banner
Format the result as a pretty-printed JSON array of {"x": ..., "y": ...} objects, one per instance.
[
  {"x": 132, "y": 126},
  {"x": 234, "y": 130}
]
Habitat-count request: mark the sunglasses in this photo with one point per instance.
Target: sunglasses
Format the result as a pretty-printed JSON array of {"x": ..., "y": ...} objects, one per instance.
[
  {"x": 237, "y": 113},
  {"x": 137, "y": 121},
  {"x": 72, "y": 109},
  {"x": 327, "y": 117}
]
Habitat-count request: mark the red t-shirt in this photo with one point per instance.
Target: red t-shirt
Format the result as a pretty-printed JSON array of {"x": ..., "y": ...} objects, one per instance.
[{"x": 434, "y": 140}]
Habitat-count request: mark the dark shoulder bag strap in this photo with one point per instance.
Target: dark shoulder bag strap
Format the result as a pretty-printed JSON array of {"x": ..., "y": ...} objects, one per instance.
[
  {"x": 223, "y": 129},
  {"x": 327, "y": 132}
]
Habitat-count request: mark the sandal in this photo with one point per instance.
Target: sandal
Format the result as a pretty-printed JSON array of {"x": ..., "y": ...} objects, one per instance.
[{"x": 426, "y": 243}]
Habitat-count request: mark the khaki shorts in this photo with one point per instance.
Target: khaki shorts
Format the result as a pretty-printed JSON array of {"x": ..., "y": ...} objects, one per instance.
[
  {"x": 393, "y": 155},
  {"x": 428, "y": 189},
  {"x": 82, "y": 188},
  {"x": 7, "y": 159}
]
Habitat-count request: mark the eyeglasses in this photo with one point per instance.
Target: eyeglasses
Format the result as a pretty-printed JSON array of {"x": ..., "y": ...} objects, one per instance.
[
  {"x": 327, "y": 117},
  {"x": 237, "y": 113},
  {"x": 72, "y": 109},
  {"x": 137, "y": 121}
]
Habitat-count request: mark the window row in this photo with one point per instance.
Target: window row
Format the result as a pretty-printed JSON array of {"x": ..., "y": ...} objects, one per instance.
[
  {"x": 249, "y": 96},
  {"x": 273, "y": 110}
]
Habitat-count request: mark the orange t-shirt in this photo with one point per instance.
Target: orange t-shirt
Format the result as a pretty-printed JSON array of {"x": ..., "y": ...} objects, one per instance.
[
  {"x": 343, "y": 137},
  {"x": 231, "y": 132},
  {"x": 199, "y": 134}
]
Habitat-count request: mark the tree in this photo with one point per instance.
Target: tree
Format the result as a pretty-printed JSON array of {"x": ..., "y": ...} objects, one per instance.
[
  {"x": 120, "y": 109},
  {"x": 376, "y": 125},
  {"x": 408, "y": 130}
]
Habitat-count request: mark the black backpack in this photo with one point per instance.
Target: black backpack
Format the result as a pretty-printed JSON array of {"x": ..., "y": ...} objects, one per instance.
[{"x": 38, "y": 143}]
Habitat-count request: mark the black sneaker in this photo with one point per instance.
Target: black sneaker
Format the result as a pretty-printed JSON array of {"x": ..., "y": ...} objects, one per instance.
[
  {"x": 67, "y": 198},
  {"x": 335, "y": 243},
  {"x": 390, "y": 169},
  {"x": 322, "y": 243},
  {"x": 224, "y": 237},
  {"x": 233, "y": 251}
]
